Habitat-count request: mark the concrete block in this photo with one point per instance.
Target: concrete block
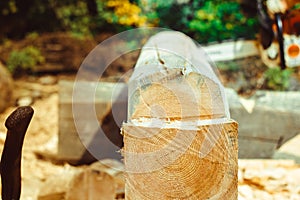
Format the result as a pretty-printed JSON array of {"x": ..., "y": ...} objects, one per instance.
[
  {"x": 89, "y": 130},
  {"x": 273, "y": 119},
  {"x": 290, "y": 150}
]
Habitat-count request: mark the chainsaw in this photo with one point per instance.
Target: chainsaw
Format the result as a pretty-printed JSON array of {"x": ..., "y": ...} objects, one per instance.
[{"x": 283, "y": 37}]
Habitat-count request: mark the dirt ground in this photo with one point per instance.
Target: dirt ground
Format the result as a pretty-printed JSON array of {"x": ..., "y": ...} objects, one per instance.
[
  {"x": 42, "y": 127},
  {"x": 258, "y": 179}
]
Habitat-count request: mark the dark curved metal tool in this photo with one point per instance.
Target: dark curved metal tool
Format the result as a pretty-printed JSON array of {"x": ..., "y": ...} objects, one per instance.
[
  {"x": 10, "y": 165},
  {"x": 280, "y": 39}
]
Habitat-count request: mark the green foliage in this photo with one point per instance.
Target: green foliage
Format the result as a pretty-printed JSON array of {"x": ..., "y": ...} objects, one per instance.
[
  {"x": 278, "y": 79},
  {"x": 105, "y": 18},
  {"x": 32, "y": 35},
  {"x": 19, "y": 17},
  {"x": 25, "y": 58},
  {"x": 75, "y": 18},
  {"x": 204, "y": 20},
  {"x": 173, "y": 14},
  {"x": 221, "y": 21},
  {"x": 8, "y": 7},
  {"x": 231, "y": 66}
]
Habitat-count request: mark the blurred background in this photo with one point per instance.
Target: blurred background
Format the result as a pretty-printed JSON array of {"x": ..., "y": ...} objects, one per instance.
[
  {"x": 93, "y": 17},
  {"x": 30, "y": 30},
  {"x": 43, "y": 44}
]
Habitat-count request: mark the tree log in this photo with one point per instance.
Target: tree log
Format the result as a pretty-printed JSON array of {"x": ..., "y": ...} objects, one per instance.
[{"x": 179, "y": 141}]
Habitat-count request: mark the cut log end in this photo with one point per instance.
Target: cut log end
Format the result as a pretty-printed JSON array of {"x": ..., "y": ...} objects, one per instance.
[{"x": 181, "y": 164}]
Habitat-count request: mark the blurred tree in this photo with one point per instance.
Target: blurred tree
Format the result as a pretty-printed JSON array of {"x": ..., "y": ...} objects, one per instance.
[
  {"x": 18, "y": 17},
  {"x": 204, "y": 20},
  {"x": 121, "y": 13}
]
